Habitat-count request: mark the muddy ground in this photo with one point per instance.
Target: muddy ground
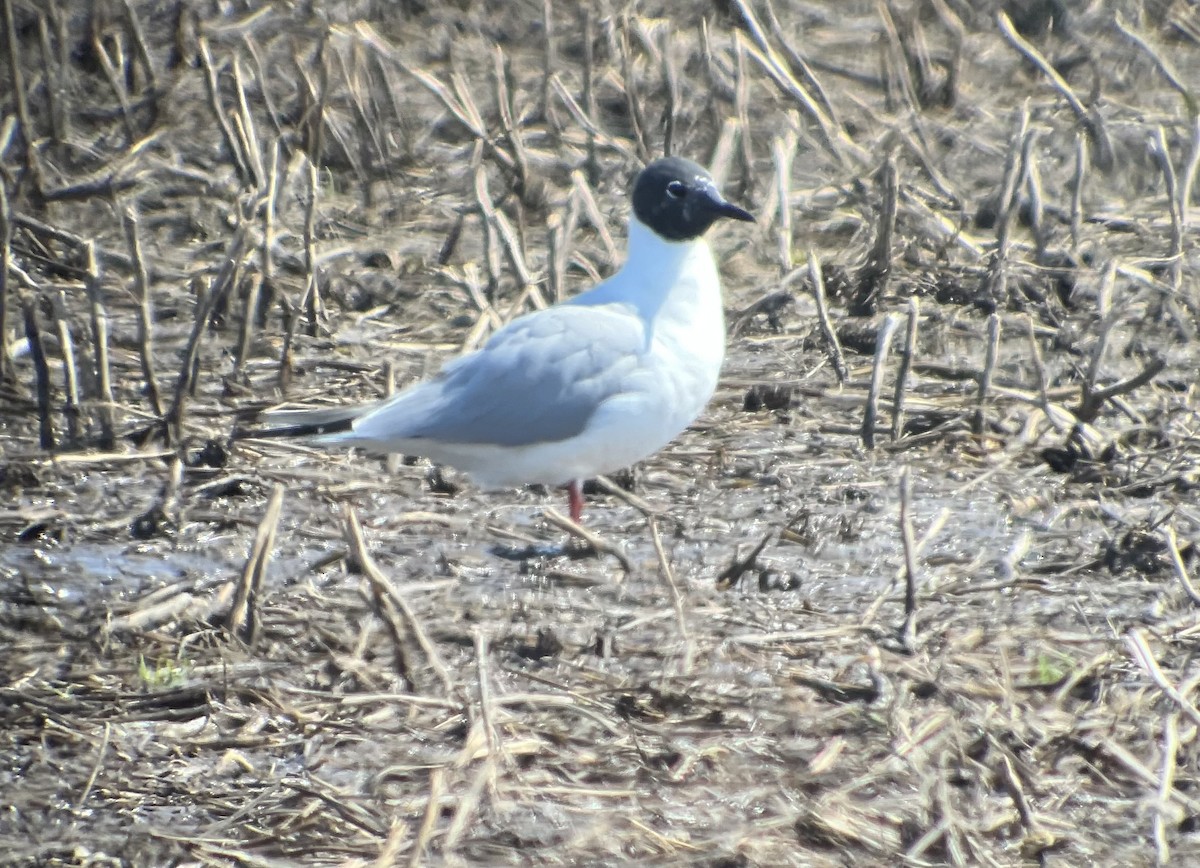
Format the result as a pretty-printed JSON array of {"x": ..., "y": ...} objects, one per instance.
[{"x": 953, "y": 622}]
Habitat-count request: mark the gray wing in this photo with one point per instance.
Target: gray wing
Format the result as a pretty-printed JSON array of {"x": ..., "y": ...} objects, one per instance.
[{"x": 538, "y": 380}]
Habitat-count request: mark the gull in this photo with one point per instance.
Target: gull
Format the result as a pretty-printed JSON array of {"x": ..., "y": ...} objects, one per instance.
[{"x": 585, "y": 387}]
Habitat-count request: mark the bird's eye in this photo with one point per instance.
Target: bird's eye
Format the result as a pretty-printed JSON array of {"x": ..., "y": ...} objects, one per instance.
[{"x": 676, "y": 190}]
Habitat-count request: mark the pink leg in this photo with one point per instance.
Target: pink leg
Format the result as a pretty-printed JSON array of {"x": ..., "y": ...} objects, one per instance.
[{"x": 575, "y": 500}]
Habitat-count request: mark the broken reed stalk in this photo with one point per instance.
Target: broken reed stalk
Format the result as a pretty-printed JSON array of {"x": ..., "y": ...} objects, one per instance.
[
  {"x": 433, "y": 810},
  {"x": 1033, "y": 184},
  {"x": 1081, "y": 164},
  {"x": 883, "y": 343},
  {"x": 243, "y": 619},
  {"x": 1139, "y": 648},
  {"x": 995, "y": 281},
  {"x": 597, "y": 542},
  {"x": 53, "y": 73},
  {"x": 671, "y": 81},
  {"x": 17, "y": 81},
  {"x": 832, "y": 347},
  {"x": 41, "y": 372},
  {"x": 487, "y": 718},
  {"x": 1189, "y": 173},
  {"x": 266, "y": 257},
  {"x": 509, "y": 124},
  {"x": 1166, "y": 784},
  {"x": 58, "y": 301},
  {"x": 1090, "y": 121},
  {"x": 549, "y": 60},
  {"x": 500, "y": 228},
  {"x": 592, "y": 163},
  {"x": 906, "y": 362},
  {"x": 1163, "y": 156},
  {"x": 835, "y": 140},
  {"x": 979, "y": 423},
  {"x": 388, "y": 596},
  {"x": 1181, "y": 573},
  {"x": 145, "y": 310},
  {"x": 207, "y": 300},
  {"x": 247, "y": 131},
  {"x": 782, "y": 149},
  {"x": 6, "y": 367},
  {"x": 668, "y": 574},
  {"x": 139, "y": 44},
  {"x": 908, "y": 632},
  {"x": 393, "y": 459},
  {"x": 632, "y": 99},
  {"x": 116, "y": 81},
  {"x": 311, "y": 302},
  {"x": 99, "y": 317},
  {"x": 214, "y": 100},
  {"x": 872, "y": 278}
]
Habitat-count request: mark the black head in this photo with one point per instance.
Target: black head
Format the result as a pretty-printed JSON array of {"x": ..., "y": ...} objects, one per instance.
[{"x": 679, "y": 200}]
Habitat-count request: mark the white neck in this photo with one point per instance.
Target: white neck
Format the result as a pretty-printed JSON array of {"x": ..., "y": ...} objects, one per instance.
[{"x": 653, "y": 269}]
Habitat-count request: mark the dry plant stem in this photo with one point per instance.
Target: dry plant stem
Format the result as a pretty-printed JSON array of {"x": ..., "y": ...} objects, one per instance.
[
  {"x": 883, "y": 343},
  {"x": 668, "y": 574},
  {"x": 243, "y": 614},
  {"x": 1181, "y": 572},
  {"x": 592, "y": 164},
  {"x": 1077, "y": 183},
  {"x": 389, "y": 853},
  {"x": 872, "y": 278},
  {"x": 393, "y": 460},
  {"x": 833, "y": 139},
  {"x": 908, "y": 631},
  {"x": 906, "y": 362},
  {"x": 1171, "y": 181},
  {"x": 52, "y": 70},
  {"x": 116, "y": 80},
  {"x": 384, "y": 589},
  {"x": 139, "y": 44},
  {"x": 99, "y": 764},
  {"x": 632, "y": 99},
  {"x": 214, "y": 100},
  {"x": 811, "y": 83},
  {"x": 188, "y": 371},
  {"x": 145, "y": 310},
  {"x": 99, "y": 317},
  {"x": 6, "y": 368},
  {"x": 70, "y": 372},
  {"x": 433, "y": 808},
  {"x": 311, "y": 303},
  {"x": 549, "y": 60},
  {"x": 1039, "y": 369},
  {"x": 783, "y": 147},
  {"x": 468, "y": 807},
  {"x": 979, "y": 423},
  {"x": 1165, "y": 68},
  {"x": 581, "y": 188},
  {"x": 1016, "y": 792},
  {"x": 597, "y": 542},
  {"x": 486, "y": 715},
  {"x": 832, "y": 348},
  {"x": 1089, "y": 121},
  {"x": 508, "y": 122},
  {"x": 995, "y": 286},
  {"x": 1166, "y": 783},
  {"x": 671, "y": 79},
  {"x": 1189, "y": 173},
  {"x": 247, "y": 132},
  {"x": 1135, "y": 640},
  {"x": 41, "y": 370},
  {"x": 17, "y": 79}
]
